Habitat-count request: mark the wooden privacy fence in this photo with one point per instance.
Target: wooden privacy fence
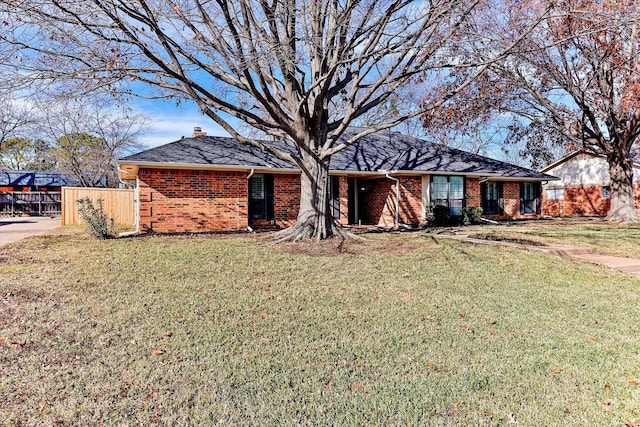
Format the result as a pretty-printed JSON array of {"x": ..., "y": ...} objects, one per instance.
[{"x": 118, "y": 203}]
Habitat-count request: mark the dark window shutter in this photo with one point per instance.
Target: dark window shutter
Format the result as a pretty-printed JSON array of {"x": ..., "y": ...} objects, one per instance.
[
  {"x": 268, "y": 189},
  {"x": 522, "y": 198},
  {"x": 500, "y": 199},
  {"x": 538, "y": 191},
  {"x": 335, "y": 196},
  {"x": 483, "y": 196}
]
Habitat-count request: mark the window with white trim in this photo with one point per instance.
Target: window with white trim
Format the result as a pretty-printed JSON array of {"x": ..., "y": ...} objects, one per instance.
[
  {"x": 448, "y": 191},
  {"x": 555, "y": 193}
]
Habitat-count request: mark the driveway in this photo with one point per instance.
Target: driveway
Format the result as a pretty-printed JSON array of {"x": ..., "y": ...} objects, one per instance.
[{"x": 14, "y": 229}]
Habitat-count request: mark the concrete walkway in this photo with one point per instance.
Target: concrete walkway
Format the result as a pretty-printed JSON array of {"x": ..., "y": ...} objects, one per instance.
[
  {"x": 626, "y": 265},
  {"x": 18, "y": 228}
]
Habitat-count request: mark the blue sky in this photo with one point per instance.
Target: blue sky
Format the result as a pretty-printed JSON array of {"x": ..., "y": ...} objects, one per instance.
[{"x": 169, "y": 122}]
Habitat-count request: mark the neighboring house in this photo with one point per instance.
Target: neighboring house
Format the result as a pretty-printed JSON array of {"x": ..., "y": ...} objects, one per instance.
[
  {"x": 584, "y": 186},
  {"x": 38, "y": 180},
  {"x": 32, "y": 192},
  {"x": 208, "y": 183}
]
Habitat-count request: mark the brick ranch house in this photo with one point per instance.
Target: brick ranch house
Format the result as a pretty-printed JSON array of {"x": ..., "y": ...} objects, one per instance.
[
  {"x": 583, "y": 187},
  {"x": 207, "y": 183}
]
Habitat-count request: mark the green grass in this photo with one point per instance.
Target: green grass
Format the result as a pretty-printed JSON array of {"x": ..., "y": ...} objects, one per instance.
[
  {"x": 601, "y": 237},
  {"x": 400, "y": 330}
]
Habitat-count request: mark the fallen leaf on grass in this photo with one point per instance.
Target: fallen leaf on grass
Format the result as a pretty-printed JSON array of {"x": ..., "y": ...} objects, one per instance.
[
  {"x": 168, "y": 334},
  {"x": 462, "y": 315},
  {"x": 511, "y": 419},
  {"x": 632, "y": 424},
  {"x": 3, "y": 340},
  {"x": 157, "y": 352},
  {"x": 607, "y": 406},
  {"x": 356, "y": 387},
  {"x": 555, "y": 371},
  {"x": 567, "y": 410},
  {"x": 453, "y": 410},
  {"x": 633, "y": 383},
  {"x": 592, "y": 339},
  {"x": 607, "y": 387}
]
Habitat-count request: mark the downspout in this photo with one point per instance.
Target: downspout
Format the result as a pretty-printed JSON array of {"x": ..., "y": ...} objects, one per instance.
[
  {"x": 136, "y": 196},
  {"x": 251, "y": 172}
]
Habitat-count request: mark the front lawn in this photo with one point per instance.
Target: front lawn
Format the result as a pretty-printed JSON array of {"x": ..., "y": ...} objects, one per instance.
[
  {"x": 598, "y": 235},
  {"x": 401, "y": 330}
]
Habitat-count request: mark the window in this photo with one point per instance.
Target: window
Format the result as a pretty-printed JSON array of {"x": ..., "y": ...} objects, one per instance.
[
  {"x": 555, "y": 193},
  {"x": 529, "y": 197},
  {"x": 448, "y": 191},
  {"x": 606, "y": 192},
  {"x": 492, "y": 198},
  {"x": 261, "y": 196}
]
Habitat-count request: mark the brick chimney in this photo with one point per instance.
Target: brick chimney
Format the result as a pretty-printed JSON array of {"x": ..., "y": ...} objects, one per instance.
[{"x": 197, "y": 131}]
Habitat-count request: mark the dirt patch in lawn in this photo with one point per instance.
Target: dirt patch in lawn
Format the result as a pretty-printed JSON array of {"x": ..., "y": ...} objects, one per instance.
[
  {"x": 338, "y": 246},
  {"x": 497, "y": 238}
]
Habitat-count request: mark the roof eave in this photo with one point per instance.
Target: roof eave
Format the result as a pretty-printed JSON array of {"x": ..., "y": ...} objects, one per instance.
[{"x": 179, "y": 165}]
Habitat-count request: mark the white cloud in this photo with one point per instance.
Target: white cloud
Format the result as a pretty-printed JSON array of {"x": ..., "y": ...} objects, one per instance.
[{"x": 170, "y": 124}]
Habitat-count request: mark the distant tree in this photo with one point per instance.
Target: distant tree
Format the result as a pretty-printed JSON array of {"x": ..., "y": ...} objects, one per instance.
[
  {"x": 87, "y": 138},
  {"x": 17, "y": 153},
  {"x": 296, "y": 70},
  {"x": 573, "y": 82},
  {"x": 15, "y": 119}
]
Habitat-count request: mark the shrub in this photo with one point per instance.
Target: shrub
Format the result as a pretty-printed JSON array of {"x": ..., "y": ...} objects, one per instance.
[
  {"x": 471, "y": 215},
  {"x": 98, "y": 224},
  {"x": 440, "y": 215}
]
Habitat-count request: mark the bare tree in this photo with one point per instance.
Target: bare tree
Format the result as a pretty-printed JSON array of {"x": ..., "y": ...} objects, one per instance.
[
  {"x": 297, "y": 70},
  {"x": 87, "y": 138},
  {"x": 574, "y": 82},
  {"x": 16, "y": 118}
]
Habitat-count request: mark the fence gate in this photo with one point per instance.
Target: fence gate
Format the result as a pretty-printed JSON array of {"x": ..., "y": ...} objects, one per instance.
[{"x": 118, "y": 203}]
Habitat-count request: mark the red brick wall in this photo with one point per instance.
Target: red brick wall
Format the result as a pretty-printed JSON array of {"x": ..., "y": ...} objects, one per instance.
[
  {"x": 176, "y": 200},
  {"x": 472, "y": 191},
  {"x": 378, "y": 203},
  {"x": 583, "y": 200},
  {"x": 511, "y": 194},
  {"x": 286, "y": 203}
]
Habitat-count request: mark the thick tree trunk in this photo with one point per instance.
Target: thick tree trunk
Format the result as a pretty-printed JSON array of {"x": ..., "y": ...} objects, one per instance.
[
  {"x": 314, "y": 219},
  {"x": 621, "y": 173}
]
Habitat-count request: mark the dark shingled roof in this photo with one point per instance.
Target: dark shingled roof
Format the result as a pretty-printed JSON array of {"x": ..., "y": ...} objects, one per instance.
[
  {"x": 383, "y": 151},
  {"x": 39, "y": 178}
]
